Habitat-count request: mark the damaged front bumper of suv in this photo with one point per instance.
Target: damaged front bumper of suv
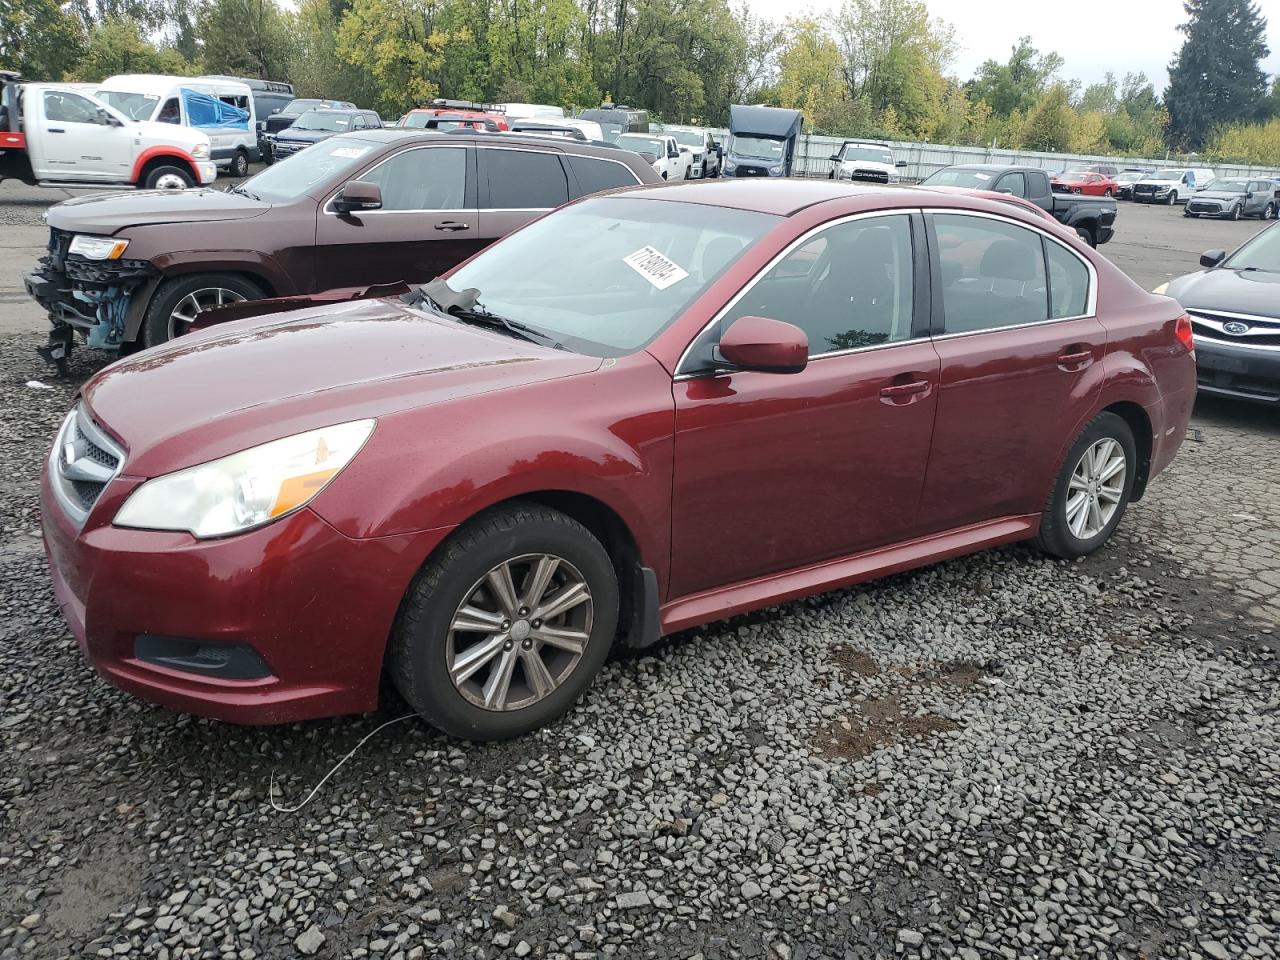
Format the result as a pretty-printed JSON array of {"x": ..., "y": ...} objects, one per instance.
[{"x": 94, "y": 297}]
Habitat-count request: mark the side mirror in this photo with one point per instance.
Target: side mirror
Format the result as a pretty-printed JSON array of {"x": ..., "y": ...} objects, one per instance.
[
  {"x": 900, "y": 163},
  {"x": 764, "y": 345},
  {"x": 1249, "y": 195},
  {"x": 1211, "y": 258},
  {"x": 719, "y": 150},
  {"x": 835, "y": 158},
  {"x": 358, "y": 195},
  {"x": 108, "y": 120}
]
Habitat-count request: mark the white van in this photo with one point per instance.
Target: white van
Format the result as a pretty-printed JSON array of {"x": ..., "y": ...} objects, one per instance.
[
  {"x": 1173, "y": 185},
  {"x": 531, "y": 111},
  {"x": 232, "y": 133}
]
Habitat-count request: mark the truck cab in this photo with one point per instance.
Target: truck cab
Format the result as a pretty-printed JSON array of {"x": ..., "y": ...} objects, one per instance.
[
  {"x": 762, "y": 141},
  {"x": 58, "y": 134}
]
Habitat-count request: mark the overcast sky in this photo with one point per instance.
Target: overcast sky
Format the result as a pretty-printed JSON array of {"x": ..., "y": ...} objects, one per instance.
[{"x": 1093, "y": 36}]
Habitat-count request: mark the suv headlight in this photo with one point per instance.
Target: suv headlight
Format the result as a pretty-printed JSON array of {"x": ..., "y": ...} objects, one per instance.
[
  {"x": 729, "y": 166},
  {"x": 97, "y": 248},
  {"x": 776, "y": 168},
  {"x": 200, "y": 151},
  {"x": 246, "y": 489}
]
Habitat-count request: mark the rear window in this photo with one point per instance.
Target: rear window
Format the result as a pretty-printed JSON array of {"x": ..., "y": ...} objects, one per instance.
[{"x": 595, "y": 174}]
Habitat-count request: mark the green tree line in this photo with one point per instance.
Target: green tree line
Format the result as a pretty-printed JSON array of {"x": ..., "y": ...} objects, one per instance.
[{"x": 870, "y": 68}]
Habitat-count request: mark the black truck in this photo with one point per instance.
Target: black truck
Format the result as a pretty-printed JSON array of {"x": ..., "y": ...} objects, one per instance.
[{"x": 1093, "y": 218}]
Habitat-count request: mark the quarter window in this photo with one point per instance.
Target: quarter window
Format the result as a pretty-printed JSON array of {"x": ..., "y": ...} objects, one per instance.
[
  {"x": 847, "y": 287},
  {"x": 992, "y": 273},
  {"x": 525, "y": 180},
  {"x": 432, "y": 178},
  {"x": 595, "y": 175},
  {"x": 1068, "y": 283}
]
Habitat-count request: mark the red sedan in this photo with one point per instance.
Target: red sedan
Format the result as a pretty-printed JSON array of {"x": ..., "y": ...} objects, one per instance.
[
  {"x": 1084, "y": 182},
  {"x": 645, "y": 411}
]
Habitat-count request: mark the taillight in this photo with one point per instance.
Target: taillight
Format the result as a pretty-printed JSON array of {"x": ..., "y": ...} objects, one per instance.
[{"x": 1182, "y": 331}]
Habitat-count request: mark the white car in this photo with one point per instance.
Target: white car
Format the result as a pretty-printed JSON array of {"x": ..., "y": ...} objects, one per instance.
[
  {"x": 701, "y": 147},
  {"x": 1173, "y": 185},
  {"x": 863, "y": 160},
  {"x": 662, "y": 151},
  {"x": 67, "y": 136}
]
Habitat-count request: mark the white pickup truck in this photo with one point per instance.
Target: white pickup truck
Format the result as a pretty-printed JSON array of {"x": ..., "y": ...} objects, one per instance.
[
  {"x": 55, "y": 134},
  {"x": 662, "y": 151}
]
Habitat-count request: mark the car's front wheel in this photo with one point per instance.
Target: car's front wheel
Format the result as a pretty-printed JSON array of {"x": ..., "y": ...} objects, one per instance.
[
  {"x": 1235, "y": 213},
  {"x": 178, "y": 302},
  {"x": 1172, "y": 198},
  {"x": 168, "y": 177},
  {"x": 506, "y": 626},
  {"x": 1092, "y": 489}
]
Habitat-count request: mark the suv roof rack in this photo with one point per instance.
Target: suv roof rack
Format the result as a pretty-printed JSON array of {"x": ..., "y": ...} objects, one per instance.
[{"x": 440, "y": 103}]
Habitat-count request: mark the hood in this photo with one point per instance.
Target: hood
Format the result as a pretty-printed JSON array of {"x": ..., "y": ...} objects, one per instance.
[
  {"x": 239, "y": 384},
  {"x": 1229, "y": 291},
  {"x": 1172, "y": 178},
  {"x": 869, "y": 165},
  {"x": 105, "y": 213},
  {"x": 170, "y": 134},
  {"x": 1212, "y": 194},
  {"x": 306, "y": 136}
]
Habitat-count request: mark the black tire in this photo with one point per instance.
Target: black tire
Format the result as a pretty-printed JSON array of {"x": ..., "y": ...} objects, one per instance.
[
  {"x": 268, "y": 158},
  {"x": 664, "y": 174},
  {"x": 1107, "y": 192},
  {"x": 1055, "y": 536},
  {"x": 1270, "y": 212},
  {"x": 240, "y": 164},
  {"x": 1076, "y": 190},
  {"x": 1085, "y": 234},
  {"x": 417, "y": 652},
  {"x": 1235, "y": 213},
  {"x": 1188, "y": 213},
  {"x": 165, "y": 172},
  {"x": 155, "y": 325},
  {"x": 1172, "y": 198}
]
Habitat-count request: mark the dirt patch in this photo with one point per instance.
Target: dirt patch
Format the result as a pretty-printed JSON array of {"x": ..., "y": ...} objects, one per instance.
[
  {"x": 104, "y": 880},
  {"x": 882, "y": 722},
  {"x": 855, "y": 662}
]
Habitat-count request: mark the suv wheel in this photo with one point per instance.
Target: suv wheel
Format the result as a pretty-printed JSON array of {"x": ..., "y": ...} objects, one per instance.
[
  {"x": 1092, "y": 489},
  {"x": 1270, "y": 212},
  {"x": 240, "y": 164},
  {"x": 1235, "y": 212},
  {"x": 1172, "y": 198},
  {"x": 507, "y": 625},
  {"x": 177, "y": 302},
  {"x": 168, "y": 177}
]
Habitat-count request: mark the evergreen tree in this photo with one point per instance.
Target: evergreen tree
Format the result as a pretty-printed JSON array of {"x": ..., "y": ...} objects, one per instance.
[{"x": 1215, "y": 78}]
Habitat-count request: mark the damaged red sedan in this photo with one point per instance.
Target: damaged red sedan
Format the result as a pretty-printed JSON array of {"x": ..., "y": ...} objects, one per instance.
[{"x": 646, "y": 411}]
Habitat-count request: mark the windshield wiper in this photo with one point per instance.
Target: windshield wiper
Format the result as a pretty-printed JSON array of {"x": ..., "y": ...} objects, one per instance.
[
  {"x": 239, "y": 188},
  {"x": 464, "y": 305}
]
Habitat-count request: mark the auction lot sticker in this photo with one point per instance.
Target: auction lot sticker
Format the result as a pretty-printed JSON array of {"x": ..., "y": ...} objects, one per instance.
[{"x": 655, "y": 268}]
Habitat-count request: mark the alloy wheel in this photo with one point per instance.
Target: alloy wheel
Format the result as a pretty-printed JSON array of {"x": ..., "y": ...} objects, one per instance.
[
  {"x": 170, "y": 181},
  {"x": 519, "y": 632},
  {"x": 184, "y": 314},
  {"x": 1096, "y": 489}
]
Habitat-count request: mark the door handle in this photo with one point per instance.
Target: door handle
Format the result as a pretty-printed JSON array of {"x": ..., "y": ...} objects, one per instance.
[
  {"x": 1075, "y": 356},
  {"x": 453, "y": 226},
  {"x": 57, "y": 130},
  {"x": 900, "y": 393}
]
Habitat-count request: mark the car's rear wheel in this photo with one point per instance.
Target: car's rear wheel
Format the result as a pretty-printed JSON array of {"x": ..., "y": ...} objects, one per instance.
[
  {"x": 1107, "y": 192},
  {"x": 1270, "y": 212},
  {"x": 507, "y": 625},
  {"x": 178, "y": 302},
  {"x": 1092, "y": 489},
  {"x": 240, "y": 164},
  {"x": 168, "y": 176}
]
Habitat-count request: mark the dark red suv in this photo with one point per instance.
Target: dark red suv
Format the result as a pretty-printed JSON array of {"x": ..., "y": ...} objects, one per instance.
[{"x": 645, "y": 411}]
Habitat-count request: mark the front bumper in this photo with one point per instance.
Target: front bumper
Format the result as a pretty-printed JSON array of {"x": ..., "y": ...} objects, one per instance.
[
  {"x": 1241, "y": 372},
  {"x": 310, "y": 606},
  {"x": 1206, "y": 208},
  {"x": 206, "y": 172},
  {"x": 287, "y": 148}
]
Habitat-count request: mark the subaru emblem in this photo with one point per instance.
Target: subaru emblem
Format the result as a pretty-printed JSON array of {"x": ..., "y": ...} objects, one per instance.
[{"x": 1235, "y": 327}]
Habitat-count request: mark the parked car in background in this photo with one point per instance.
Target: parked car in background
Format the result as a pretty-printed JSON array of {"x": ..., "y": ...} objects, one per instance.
[
  {"x": 222, "y": 109},
  {"x": 530, "y": 111},
  {"x": 661, "y": 151},
  {"x": 704, "y": 152},
  {"x": 269, "y": 96},
  {"x": 444, "y": 120},
  {"x": 375, "y": 206},
  {"x": 865, "y": 160},
  {"x": 316, "y": 125},
  {"x": 51, "y": 134},
  {"x": 1234, "y": 304},
  {"x": 615, "y": 119},
  {"x": 1092, "y": 218},
  {"x": 269, "y": 126},
  {"x": 762, "y": 141},
  {"x": 1232, "y": 199},
  {"x": 1085, "y": 182},
  {"x": 1171, "y": 186},
  {"x": 1127, "y": 177},
  {"x": 1106, "y": 169},
  {"x": 482, "y": 116},
  {"x": 547, "y": 128},
  {"x": 481, "y": 486}
]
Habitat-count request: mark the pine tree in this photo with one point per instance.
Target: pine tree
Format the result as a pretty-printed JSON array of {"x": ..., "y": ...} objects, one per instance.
[{"x": 1215, "y": 78}]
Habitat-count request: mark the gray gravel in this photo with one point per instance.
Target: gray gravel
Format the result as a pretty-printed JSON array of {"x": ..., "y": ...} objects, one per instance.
[{"x": 1000, "y": 756}]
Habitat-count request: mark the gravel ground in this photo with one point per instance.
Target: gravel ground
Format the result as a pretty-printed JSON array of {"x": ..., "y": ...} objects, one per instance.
[{"x": 1000, "y": 756}]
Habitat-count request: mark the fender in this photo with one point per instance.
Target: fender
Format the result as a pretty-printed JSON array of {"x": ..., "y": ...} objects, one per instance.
[
  {"x": 259, "y": 265},
  {"x": 166, "y": 152}
]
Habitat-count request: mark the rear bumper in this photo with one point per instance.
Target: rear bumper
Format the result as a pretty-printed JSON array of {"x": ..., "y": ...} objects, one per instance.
[
  {"x": 311, "y": 608},
  {"x": 1242, "y": 373}
]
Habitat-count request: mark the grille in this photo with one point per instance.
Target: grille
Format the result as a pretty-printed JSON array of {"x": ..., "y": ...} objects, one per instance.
[
  {"x": 1202, "y": 207},
  {"x": 1262, "y": 332},
  {"x": 83, "y": 462},
  {"x": 752, "y": 171},
  {"x": 878, "y": 176},
  {"x": 1144, "y": 188}
]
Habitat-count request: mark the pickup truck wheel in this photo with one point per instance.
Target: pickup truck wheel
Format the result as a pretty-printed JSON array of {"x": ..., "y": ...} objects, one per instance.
[
  {"x": 1092, "y": 489},
  {"x": 506, "y": 625},
  {"x": 1085, "y": 234},
  {"x": 1171, "y": 199},
  {"x": 240, "y": 164},
  {"x": 168, "y": 176},
  {"x": 177, "y": 302}
]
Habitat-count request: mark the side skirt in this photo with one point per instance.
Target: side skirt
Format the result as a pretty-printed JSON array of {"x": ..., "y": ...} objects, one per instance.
[{"x": 722, "y": 602}]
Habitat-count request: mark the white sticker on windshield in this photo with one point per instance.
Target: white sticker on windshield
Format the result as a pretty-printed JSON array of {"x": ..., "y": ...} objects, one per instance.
[
  {"x": 349, "y": 153},
  {"x": 982, "y": 176},
  {"x": 655, "y": 268}
]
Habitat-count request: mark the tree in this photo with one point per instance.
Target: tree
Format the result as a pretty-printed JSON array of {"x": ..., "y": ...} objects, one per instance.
[
  {"x": 1248, "y": 143},
  {"x": 1215, "y": 78},
  {"x": 1048, "y": 125},
  {"x": 755, "y": 74},
  {"x": 246, "y": 38},
  {"x": 117, "y": 46},
  {"x": 315, "y": 69},
  {"x": 41, "y": 39},
  {"x": 1017, "y": 84},
  {"x": 809, "y": 70}
]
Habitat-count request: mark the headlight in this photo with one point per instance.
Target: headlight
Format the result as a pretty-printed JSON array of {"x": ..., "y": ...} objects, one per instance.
[
  {"x": 200, "y": 151},
  {"x": 247, "y": 489},
  {"x": 1162, "y": 288},
  {"x": 97, "y": 248},
  {"x": 776, "y": 169},
  {"x": 730, "y": 166}
]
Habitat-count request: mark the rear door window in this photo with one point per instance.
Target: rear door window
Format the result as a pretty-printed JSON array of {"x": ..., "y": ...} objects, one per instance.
[
  {"x": 993, "y": 273},
  {"x": 594, "y": 174},
  {"x": 524, "y": 179}
]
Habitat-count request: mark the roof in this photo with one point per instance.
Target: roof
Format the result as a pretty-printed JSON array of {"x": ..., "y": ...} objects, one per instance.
[
  {"x": 764, "y": 121},
  {"x": 780, "y": 197},
  {"x": 488, "y": 138}
]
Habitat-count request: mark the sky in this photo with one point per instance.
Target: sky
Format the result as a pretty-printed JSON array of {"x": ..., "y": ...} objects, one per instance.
[{"x": 1093, "y": 36}]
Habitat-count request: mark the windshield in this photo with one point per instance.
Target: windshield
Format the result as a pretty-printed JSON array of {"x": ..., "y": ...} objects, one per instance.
[
  {"x": 323, "y": 122},
  {"x": 761, "y": 148},
  {"x": 637, "y": 265},
  {"x": 610, "y": 131},
  {"x": 688, "y": 138},
  {"x": 1229, "y": 186},
  {"x": 871, "y": 154},
  {"x": 1073, "y": 175},
  {"x": 418, "y": 120},
  {"x": 135, "y": 106},
  {"x": 1260, "y": 253},
  {"x": 961, "y": 177},
  {"x": 642, "y": 144},
  {"x": 297, "y": 108},
  {"x": 290, "y": 178}
]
